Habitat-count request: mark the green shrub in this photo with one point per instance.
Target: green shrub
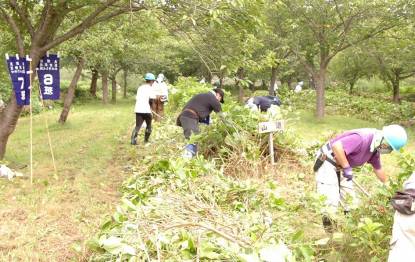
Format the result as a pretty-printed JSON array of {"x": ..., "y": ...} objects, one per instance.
[
  {"x": 375, "y": 108},
  {"x": 184, "y": 89},
  {"x": 82, "y": 93}
]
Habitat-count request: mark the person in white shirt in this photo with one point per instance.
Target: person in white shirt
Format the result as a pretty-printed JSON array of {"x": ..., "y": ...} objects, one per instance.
[
  {"x": 145, "y": 96},
  {"x": 299, "y": 87},
  {"x": 162, "y": 96}
]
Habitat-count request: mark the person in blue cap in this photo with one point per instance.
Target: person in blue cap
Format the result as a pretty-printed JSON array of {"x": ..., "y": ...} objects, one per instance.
[
  {"x": 354, "y": 148},
  {"x": 145, "y": 96}
]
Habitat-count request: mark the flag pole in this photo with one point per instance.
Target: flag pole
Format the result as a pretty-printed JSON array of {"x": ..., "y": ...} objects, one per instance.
[
  {"x": 31, "y": 118},
  {"x": 47, "y": 130}
]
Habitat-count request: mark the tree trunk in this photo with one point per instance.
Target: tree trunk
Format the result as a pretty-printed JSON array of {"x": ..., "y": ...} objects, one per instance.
[
  {"x": 352, "y": 82},
  {"x": 273, "y": 81},
  {"x": 114, "y": 90},
  {"x": 289, "y": 81},
  {"x": 241, "y": 94},
  {"x": 125, "y": 83},
  {"x": 105, "y": 87},
  {"x": 71, "y": 92},
  {"x": 220, "y": 81},
  {"x": 208, "y": 77},
  {"x": 8, "y": 121},
  {"x": 94, "y": 80},
  {"x": 312, "y": 82},
  {"x": 320, "y": 81},
  {"x": 240, "y": 75},
  {"x": 351, "y": 85},
  {"x": 395, "y": 88}
]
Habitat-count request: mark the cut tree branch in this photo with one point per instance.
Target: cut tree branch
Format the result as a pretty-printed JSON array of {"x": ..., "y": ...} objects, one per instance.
[{"x": 241, "y": 243}]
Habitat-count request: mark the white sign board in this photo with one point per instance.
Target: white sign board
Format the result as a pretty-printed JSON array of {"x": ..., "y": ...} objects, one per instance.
[{"x": 267, "y": 127}]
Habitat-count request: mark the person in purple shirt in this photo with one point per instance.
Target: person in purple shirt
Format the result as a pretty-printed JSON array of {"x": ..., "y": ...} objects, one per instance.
[{"x": 337, "y": 158}]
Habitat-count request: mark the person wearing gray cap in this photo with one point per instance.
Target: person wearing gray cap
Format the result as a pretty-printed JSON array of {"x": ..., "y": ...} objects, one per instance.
[{"x": 402, "y": 244}]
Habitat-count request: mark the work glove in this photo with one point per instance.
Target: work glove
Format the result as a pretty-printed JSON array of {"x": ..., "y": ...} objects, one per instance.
[{"x": 348, "y": 173}]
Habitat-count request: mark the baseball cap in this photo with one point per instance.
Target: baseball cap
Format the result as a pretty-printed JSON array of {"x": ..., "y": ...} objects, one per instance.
[{"x": 221, "y": 93}]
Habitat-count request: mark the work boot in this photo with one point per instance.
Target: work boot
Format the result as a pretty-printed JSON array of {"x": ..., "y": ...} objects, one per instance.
[
  {"x": 146, "y": 136},
  {"x": 134, "y": 137},
  {"x": 328, "y": 224}
]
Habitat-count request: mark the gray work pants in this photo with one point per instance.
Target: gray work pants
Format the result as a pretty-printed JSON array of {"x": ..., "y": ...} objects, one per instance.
[{"x": 190, "y": 126}]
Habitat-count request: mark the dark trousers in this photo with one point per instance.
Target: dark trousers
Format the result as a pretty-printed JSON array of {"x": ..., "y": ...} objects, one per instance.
[
  {"x": 139, "y": 119},
  {"x": 190, "y": 126}
]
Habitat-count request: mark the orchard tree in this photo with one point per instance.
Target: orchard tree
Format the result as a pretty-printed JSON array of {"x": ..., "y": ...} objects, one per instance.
[
  {"x": 280, "y": 58},
  {"x": 67, "y": 102},
  {"x": 39, "y": 26},
  {"x": 221, "y": 33},
  {"x": 320, "y": 29},
  {"x": 351, "y": 65},
  {"x": 394, "y": 53}
]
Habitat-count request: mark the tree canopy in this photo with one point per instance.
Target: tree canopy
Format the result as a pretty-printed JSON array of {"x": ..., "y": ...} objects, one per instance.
[{"x": 241, "y": 40}]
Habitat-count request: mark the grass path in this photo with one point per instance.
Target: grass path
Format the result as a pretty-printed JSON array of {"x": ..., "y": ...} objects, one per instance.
[{"x": 52, "y": 219}]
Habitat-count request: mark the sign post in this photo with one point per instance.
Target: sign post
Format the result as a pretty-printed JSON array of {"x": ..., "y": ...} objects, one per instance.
[
  {"x": 271, "y": 127},
  {"x": 48, "y": 72}
]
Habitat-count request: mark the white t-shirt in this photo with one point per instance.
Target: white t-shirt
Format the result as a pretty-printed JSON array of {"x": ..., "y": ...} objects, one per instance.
[
  {"x": 161, "y": 89},
  {"x": 144, "y": 94}
]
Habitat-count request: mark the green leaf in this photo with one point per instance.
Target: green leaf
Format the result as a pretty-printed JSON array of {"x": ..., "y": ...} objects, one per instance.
[
  {"x": 307, "y": 252},
  {"x": 298, "y": 236},
  {"x": 115, "y": 246},
  {"x": 128, "y": 204}
]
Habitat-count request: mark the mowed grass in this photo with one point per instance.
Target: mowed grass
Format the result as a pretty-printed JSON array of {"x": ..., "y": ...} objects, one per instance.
[
  {"x": 89, "y": 129},
  {"x": 52, "y": 219}
]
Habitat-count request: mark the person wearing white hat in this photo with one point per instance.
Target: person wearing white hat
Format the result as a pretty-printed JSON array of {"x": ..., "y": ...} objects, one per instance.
[{"x": 162, "y": 96}]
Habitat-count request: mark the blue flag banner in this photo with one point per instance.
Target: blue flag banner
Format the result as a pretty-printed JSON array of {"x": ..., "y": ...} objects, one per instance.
[
  {"x": 49, "y": 77},
  {"x": 19, "y": 70}
]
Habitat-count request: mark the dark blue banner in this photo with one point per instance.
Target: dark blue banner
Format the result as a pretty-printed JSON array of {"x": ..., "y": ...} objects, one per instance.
[
  {"x": 19, "y": 70},
  {"x": 49, "y": 77}
]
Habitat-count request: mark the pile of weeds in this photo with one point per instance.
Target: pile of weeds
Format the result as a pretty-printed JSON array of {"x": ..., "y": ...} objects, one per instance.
[{"x": 185, "y": 210}]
